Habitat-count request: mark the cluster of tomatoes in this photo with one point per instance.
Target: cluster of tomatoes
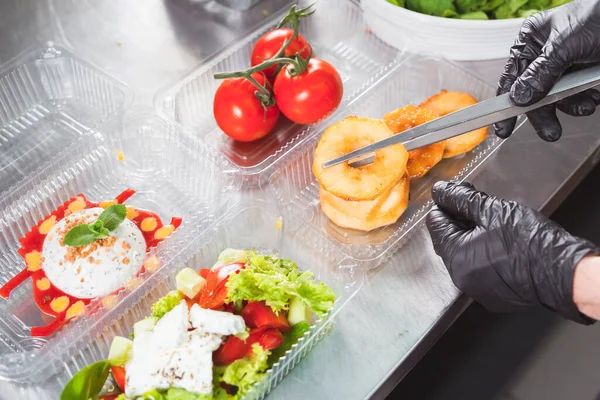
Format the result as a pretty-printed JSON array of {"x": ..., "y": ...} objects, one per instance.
[{"x": 284, "y": 78}]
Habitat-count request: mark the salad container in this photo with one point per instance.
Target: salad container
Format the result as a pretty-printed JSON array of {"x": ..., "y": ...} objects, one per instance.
[
  {"x": 173, "y": 175},
  {"x": 409, "y": 82},
  {"x": 249, "y": 224},
  {"x": 337, "y": 34},
  {"x": 49, "y": 99}
]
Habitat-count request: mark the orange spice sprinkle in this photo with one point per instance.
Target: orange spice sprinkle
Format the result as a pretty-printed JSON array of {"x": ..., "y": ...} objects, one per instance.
[{"x": 126, "y": 261}]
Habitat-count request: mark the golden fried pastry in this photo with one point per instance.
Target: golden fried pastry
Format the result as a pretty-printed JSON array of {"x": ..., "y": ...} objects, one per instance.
[
  {"x": 367, "y": 215},
  {"x": 421, "y": 160},
  {"x": 364, "y": 183},
  {"x": 446, "y": 102}
]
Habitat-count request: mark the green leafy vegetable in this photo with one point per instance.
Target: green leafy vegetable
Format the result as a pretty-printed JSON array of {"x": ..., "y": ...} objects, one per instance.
[
  {"x": 479, "y": 9},
  {"x": 275, "y": 281},
  {"x": 108, "y": 221},
  {"x": 113, "y": 216},
  {"x": 474, "y": 15},
  {"x": 166, "y": 304},
  {"x": 509, "y": 9},
  {"x": 289, "y": 339},
  {"x": 246, "y": 372},
  {"x": 121, "y": 397},
  {"x": 439, "y": 8},
  {"x": 470, "y": 6},
  {"x": 82, "y": 235},
  {"x": 87, "y": 383}
]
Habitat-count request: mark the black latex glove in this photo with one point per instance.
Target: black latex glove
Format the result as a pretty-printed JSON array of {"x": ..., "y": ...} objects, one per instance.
[
  {"x": 504, "y": 255},
  {"x": 551, "y": 43}
]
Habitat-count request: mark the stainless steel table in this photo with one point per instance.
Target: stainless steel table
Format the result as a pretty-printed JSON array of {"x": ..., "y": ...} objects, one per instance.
[{"x": 405, "y": 305}]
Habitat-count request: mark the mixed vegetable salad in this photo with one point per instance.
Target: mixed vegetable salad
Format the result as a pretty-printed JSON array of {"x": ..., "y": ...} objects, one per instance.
[
  {"x": 479, "y": 9},
  {"x": 214, "y": 337}
]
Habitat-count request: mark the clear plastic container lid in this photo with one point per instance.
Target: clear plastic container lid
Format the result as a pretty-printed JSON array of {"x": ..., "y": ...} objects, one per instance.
[
  {"x": 249, "y": 224},
  {"x": 410, "y": 82},
  {"x": 49, "y": 99},
  {"x": 173, "y": 175},
  {"x": 337, "y": 34}
]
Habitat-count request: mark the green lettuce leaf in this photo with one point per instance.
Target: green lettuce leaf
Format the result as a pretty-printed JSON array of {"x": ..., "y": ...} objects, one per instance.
[
  {"x": 474, "y": 15},
  {"x": 246, "y": 372},
  {"x": 275, "y": 281},
  {"x": 166, "y": 304},
  {"x": 509, "y": 9},
  {"x": 470, "y": 6},
  {"x": 439, "y": 8},
  {"x": 537, "y": 4},
  {"x": 289, "y": 339},
  {"x": 556, "y": 3},
  {"x": 527, "y": 13},
  {"x": 399, "y": 3}
]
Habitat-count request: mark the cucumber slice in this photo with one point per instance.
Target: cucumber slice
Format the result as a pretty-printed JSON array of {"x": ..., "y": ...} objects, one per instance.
[
  {"x": 120, "y": 351},
  {"x": 299, "y": 311},
  {"x": 143, "y": 326},
  {"x": 189, "y": 282}
]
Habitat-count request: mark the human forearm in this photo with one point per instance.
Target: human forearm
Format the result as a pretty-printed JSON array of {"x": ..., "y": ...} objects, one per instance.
[{"x": 586, "y": 287}]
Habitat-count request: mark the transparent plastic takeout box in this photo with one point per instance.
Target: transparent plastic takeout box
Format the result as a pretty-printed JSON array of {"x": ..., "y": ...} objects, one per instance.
[
  {"x": 337, "y": 34},
  {"x": 250, "y": 224},
  {"x": 49, "y": 99},
  {"x": 173, "y": 175},
  {"x": 409, "y": 82}
]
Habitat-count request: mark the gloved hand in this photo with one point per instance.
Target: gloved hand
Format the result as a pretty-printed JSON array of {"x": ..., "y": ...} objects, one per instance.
[
  {"x": 551, "y": 43},
  {"x": 504, "y": 255}
]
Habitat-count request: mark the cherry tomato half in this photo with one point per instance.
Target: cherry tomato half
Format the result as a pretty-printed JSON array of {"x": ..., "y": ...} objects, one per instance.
[
  {"x": 311, "y": 95},
  {"x": 233, "y": 349},
  {"x": 259, "y": 315},
  {"x": 271, "y": 42},
  {"x": 267, "y": 338},
  {"x": 239, "y": 113},
  {"x": 214, "y": 292},
  {"x": 119, "y": 374}
]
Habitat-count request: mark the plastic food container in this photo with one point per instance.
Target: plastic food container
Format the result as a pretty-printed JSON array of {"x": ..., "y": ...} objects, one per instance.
[
  {"x": 49, "y": 99},
  {"x": 250, "y": 224},
  {"x": 337, "y": 33},
  {"x": 454, "y": 39},
  {"x": 173, "y": 174},
  {"x": 240, "y": 4},
  {"x": 410, "y": 82}
]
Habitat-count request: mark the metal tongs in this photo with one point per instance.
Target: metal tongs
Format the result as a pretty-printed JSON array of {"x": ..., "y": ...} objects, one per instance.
[{"x": 471, "y": 118}]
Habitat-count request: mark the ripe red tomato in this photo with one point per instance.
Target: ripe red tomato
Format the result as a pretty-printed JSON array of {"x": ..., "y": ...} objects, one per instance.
[
  {"x": 119, "y": 375},
  {"x": 204, "y": 272},
  {"x": 239, "y": 113},
  {"x": 271, "y": 42},
  {"x": 311, "y": 95},
  {"x": 233, "y": 349},
  {"x": 214, "y": 292},
  {"x": 268, "y": 338},
  {"x": 259, "y": 315}
]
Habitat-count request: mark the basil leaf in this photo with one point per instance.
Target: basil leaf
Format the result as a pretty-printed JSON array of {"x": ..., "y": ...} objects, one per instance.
[
  {"x": 97, "y": 226},
  {"x": 80, "y": 235},
  {"x": 87, "y": 383},
  {"x": 103, "y": 233},
  {"x": 113, "y": 216}
]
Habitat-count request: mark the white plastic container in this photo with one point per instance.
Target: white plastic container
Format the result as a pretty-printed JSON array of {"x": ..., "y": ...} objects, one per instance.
[
  {"x": 49, "y": 99},
  {"x": 173, "y": 175},
  {"x": 454, "y": 39},
  {"x": 337, "y": 34},
  {"x": 249, "y": 224},
  {"x": 410, "y": 82}
]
